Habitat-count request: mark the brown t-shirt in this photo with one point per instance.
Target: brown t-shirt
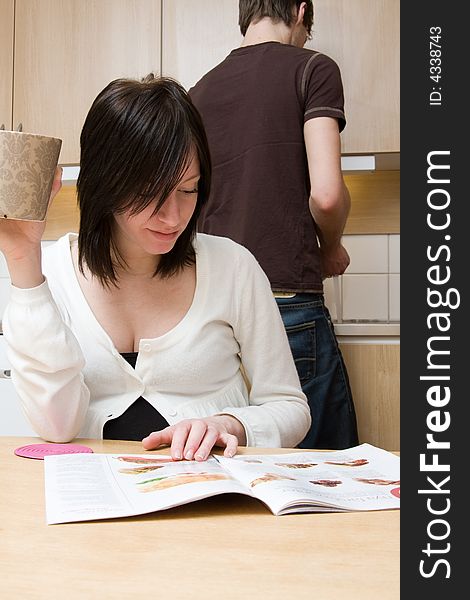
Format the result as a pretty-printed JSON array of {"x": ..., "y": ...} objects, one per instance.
[{"x": 254, "y": 105}]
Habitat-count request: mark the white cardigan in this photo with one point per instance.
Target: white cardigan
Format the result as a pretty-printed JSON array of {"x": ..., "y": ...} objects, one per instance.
[{"x": 71, "y": 379}]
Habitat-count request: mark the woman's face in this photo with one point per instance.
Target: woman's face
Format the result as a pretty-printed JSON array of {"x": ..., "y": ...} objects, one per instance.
[{"x": 157, "y": 233}]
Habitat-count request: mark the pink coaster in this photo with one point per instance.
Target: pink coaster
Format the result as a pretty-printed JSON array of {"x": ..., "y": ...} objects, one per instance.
[{"x": 39, "y": 451}]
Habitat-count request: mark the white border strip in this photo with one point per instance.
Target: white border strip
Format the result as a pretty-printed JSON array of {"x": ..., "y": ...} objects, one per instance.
[
  {"x": 358, "y": 163},
  {"x": 70, "y": 174}
]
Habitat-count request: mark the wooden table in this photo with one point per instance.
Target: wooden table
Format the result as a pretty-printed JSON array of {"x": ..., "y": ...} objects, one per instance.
[{"x": 226, "y": 547}]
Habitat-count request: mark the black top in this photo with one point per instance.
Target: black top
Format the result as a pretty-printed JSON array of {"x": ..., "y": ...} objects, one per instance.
[{"x": 140, "y": 419}]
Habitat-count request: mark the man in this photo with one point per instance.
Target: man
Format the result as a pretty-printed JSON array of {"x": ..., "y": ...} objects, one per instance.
[{"x": 273, "y": 112}]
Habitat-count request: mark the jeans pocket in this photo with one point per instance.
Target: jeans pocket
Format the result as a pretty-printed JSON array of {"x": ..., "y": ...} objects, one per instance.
[{"x": 302, "y": 343}]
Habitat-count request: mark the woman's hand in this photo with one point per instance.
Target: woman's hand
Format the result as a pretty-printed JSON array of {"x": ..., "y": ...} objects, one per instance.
[
  {"x": 194, "y": 438},
  {"x": 16, "y": 236},
  {"x": 20, "y": 242}
]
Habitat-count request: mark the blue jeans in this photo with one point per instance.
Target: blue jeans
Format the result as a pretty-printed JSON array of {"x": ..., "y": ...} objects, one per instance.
[{"x": 321, "y": 370}]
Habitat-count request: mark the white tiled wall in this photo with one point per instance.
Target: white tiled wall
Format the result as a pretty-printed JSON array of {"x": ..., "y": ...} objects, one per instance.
[
  {"x": 368, "y": 253},
  {"x": 365, "y": 297},
  {"x": 333, "y": 299},
  {"x": 394, "y": 253},
  {"x": 394, "y": 297},
  {"x": 370, "y": 288}
]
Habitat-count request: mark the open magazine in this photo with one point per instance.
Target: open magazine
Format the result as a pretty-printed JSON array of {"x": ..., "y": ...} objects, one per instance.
[{"x": 83, "y": 487}]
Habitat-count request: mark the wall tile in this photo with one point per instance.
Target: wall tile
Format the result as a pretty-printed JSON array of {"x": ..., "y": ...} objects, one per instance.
[
  {"x": 368, "y": 253},
  {"x": 330, "y": 299},
  {"x": 394, "y": 298},
  {"x": 394, "y": 253},
  {"x": 365, "y": 297}
]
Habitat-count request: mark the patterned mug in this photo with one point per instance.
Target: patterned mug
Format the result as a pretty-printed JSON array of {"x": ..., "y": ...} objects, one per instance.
[{"x": 27, "y": 166}]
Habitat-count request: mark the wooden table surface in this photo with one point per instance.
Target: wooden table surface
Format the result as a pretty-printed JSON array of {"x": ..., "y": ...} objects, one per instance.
[{"x": 226, "y": 547}]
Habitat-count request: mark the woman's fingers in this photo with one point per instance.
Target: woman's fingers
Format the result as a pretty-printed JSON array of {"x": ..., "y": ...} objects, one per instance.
[
  {"x": 185, "y": 433},
  {"x": 193, "y": 439},
  {"x": 158, "y": 438},
  {"x": 207, "y": 443},
  {"x": 177, "y": 436},
  {"x": 231, "y": 445}
]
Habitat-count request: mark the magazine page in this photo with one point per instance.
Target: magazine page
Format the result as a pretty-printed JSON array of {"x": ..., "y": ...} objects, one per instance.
[
  {"x": 82, "y": 487},
  {"x": 359, "y": 478}
]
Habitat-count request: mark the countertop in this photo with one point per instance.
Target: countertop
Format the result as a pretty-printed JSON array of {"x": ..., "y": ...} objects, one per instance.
[
  {"x": 228, "y": 546},
  {"x": 367, "y": 329}
]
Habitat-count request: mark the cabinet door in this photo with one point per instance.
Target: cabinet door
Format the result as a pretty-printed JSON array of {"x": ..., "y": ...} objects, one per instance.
[
  {"x": 67, "y": 51},
  {"x": 374, "y": 375},
  {"x": 363, "y": 38},
  {"x": 6, "y": 61},
  {"x": 197, "y": 36}
]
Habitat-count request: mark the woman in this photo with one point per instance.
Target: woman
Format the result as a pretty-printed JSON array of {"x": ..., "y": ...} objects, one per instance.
[{"x": 137, "y": 327}]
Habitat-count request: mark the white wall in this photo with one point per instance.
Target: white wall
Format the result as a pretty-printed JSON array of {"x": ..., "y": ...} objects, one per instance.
[{"x": 12, "y": 420}]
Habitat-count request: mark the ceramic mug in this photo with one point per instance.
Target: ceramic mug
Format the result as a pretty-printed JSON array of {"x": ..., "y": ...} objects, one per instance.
[{"x": 27, "y": 165}]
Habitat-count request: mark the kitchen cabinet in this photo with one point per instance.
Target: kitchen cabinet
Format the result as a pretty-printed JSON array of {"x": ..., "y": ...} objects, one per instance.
[
  {"x": 374, "y": 375},
  {"x": 363, "y": 38},
  {"x": 65, "y": 52},
  {"x": 196, "y": 36},
  {"x": 6, "y": 62}
]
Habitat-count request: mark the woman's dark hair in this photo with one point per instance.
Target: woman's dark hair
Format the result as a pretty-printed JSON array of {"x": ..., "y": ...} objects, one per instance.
[
  {"x": 251, "y": 11},
  {"x": 135, "y": 145}
]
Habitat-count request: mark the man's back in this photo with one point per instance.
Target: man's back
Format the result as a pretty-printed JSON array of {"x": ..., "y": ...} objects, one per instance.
[
  {"x": 254, "y": 105},
  {"x": 273, "y": 112}
]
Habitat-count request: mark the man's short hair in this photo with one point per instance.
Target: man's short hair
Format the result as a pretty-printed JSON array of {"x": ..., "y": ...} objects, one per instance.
[{"x": 252, "y": 11}]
